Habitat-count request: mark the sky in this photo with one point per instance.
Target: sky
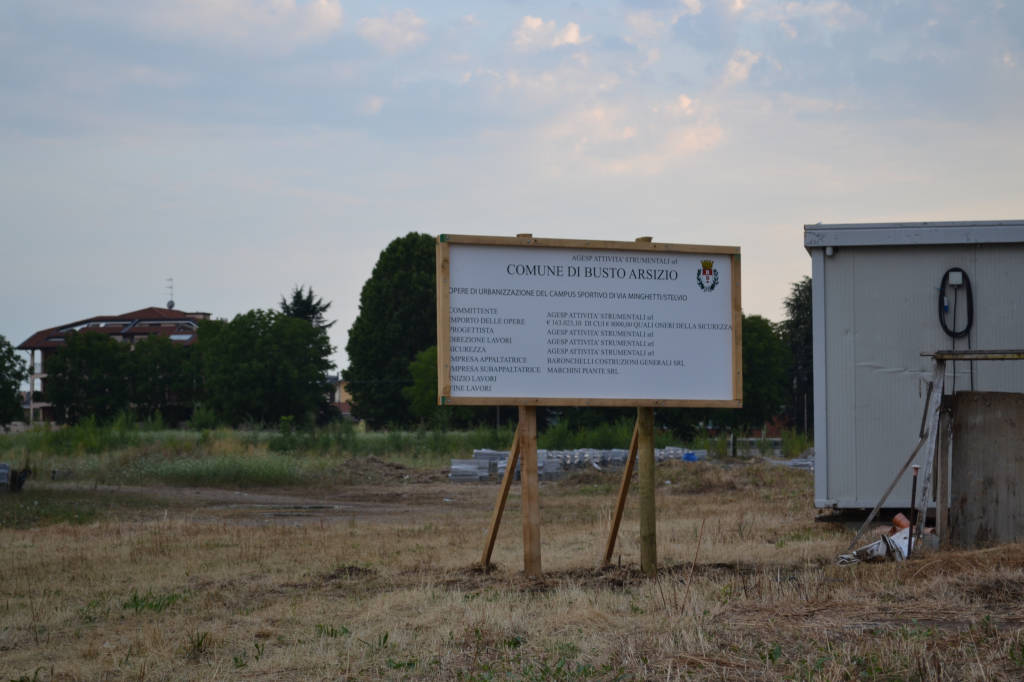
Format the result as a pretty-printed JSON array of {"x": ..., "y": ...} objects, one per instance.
[{"x": 243, "y": 147}]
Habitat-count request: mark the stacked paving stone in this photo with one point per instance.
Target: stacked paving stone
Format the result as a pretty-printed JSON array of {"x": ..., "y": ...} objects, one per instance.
[{"x": 554, "y": 464}]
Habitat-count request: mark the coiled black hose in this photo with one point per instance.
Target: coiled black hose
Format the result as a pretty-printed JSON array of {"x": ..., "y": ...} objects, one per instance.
[{"x": 956, "y": 333}]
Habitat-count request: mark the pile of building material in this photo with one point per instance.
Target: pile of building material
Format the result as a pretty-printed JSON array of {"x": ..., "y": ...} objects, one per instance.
[
  {"x": 554, "y": 464},
  {"x": 805, "y": 463}
]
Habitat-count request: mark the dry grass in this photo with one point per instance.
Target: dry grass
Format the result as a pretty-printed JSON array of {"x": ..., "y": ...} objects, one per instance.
[{"x": 208, "y": 592}]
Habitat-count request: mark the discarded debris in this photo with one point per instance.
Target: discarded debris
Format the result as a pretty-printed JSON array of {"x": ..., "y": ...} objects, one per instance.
[
  {"x": 13, "y": 479},
  {"x": 886, "y": 548},
  {"x": 893, "y": 546}
]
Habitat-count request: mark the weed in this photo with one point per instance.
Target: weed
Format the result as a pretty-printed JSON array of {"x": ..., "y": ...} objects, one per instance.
[
  {"x": 795, "y": 443},
  {"x": 197, "y": 644},
  {"x": 514, "y": 642},
  {"x": 223, "y": 470},
  {"x": 203, "y": 417},
  {"x": 93, "y": 611},
  {"x": 1016, "y": 652},
  {"x": 331, "y": 631},
  {"x": 380, "y": 645},
  {"x": 771, "y": 654},
  {"x": 562, "y": 669},
  {"x": 401, "y": 665},
  {"x": 151, "y": 602},
  {"x": 34, "y": 678}
]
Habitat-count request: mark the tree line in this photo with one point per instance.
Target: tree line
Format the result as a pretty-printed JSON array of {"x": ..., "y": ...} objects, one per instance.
[
  {"x": 267, "y": 364},
  {"x": 259, "y": 367}
]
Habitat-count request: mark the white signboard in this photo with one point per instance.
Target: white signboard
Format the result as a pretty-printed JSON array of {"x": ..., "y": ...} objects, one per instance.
[{"x": 563, "y": 322}]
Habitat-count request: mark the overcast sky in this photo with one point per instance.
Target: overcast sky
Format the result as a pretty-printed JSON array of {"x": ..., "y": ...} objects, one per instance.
[{"x": 246, "y": 146}]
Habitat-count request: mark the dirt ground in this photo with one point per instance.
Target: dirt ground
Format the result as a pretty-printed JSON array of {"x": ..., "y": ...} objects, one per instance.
[
  {"x": 380, "y": 580},
  {"x": 391, "y": 502}
]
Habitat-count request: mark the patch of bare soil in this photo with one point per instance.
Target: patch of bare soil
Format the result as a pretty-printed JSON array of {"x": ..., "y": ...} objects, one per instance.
[
  {"x": 373, "y": 470},
  {"x": 397, "y": 502}
]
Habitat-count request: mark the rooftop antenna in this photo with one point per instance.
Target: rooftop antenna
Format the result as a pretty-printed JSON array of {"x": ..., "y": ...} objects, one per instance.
[{"x": 170, "y": 293}]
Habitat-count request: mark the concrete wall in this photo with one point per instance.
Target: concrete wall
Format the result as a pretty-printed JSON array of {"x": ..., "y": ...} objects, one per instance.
[{"x": 987, "y": 491}]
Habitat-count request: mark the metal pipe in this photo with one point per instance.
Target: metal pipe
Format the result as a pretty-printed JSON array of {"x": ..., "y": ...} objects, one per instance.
[{"x": 913, "y": 511}]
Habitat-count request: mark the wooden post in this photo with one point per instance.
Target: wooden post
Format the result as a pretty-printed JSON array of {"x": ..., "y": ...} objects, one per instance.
[
  {"x": 645, "y": 460},
  {"x": 530, "y": 496},
  {"x": 620, "y": 504},
  {"x": 499, "y": 505}
]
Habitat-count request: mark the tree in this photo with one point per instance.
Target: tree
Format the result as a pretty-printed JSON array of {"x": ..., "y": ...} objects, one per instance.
[
  {"x": 798, "y": 335},
  {"x": 307, "y": 307},
  {"x": 87, "y": 377},
  {"x": 263, "y": 365},
  {"x": 396, "y": 320},
  {"x": 422, "y": 393},
  {"x": 12, "y": 373},
  {"x": 162, "y": 378}
]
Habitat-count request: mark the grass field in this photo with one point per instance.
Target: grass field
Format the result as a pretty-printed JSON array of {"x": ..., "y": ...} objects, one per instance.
[{"x": 372, "y": 575}]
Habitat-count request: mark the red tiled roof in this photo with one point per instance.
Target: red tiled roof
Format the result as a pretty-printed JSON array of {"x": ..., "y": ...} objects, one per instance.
[{"x": 143, "y": 322}]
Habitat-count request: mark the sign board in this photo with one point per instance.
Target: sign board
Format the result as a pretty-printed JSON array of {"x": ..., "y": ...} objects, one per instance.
[{"x": 525, "y": 321}]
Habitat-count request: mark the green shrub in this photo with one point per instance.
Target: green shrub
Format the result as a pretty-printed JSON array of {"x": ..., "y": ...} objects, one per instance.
[
  {"x": 795, "y": 443},
  {"x": 241, "y": 471},
  {"x": 204, "y": 417}
]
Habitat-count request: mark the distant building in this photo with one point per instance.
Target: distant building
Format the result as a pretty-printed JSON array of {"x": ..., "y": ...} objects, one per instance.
[
  {"x": 179, "y": 326},
  {"x": 340, "y": 397}
]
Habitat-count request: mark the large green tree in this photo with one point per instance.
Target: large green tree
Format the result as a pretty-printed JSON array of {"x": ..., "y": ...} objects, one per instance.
[
  {"x": 12, "y": 373},
  {"x": 798, "y": 335},
  {"x": 396, "y": 320},
  {"x": 263, "y": 365},
  {"x": 304, "y": 305},
  {"x": 162, "y": 378},
  {"x": 87, "y": 377},
  {"x": 422, "y": 392}
]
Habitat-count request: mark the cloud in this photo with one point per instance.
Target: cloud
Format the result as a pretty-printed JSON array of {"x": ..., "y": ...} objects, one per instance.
[
  {"x": 549, "y": 86},
  {"x": 629, "y": 139},
  {"x": 738, "y": 68},
  {"x": 643, "y": 26},
  {"x": 689, "y": 7},
  {"x": 401, "y": 31},
  {"x": 536, "y": 34},
  {"x": 831, "y": 13},
  {"x": 262, "y": 25},
  {"x": 814, "y": 15},
  {"x": 684, "y": 105},
  {"x": 372, "y": 105}
]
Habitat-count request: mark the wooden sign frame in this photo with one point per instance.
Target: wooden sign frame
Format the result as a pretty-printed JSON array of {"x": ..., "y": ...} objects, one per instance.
[{"x": 444, "y": 363}]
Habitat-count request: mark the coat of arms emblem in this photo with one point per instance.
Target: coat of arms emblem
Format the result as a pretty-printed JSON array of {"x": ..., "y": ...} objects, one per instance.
[{"x": 707, "y": 276}]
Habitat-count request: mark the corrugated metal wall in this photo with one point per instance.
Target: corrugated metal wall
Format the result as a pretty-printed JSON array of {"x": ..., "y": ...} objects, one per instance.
[{"x": 880, "y": 315}]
